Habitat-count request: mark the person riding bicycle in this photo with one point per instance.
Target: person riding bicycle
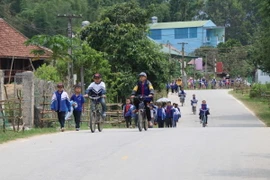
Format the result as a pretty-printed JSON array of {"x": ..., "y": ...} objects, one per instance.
[
  {"x": 95, "y": 89},
  {"x": 193, "y": 100},
  {"x": 143, "y": 88},
  {"x": 182, "y": 93},
  {"x": 213, "y": 83},
  {"x": 204, "y": 109}
]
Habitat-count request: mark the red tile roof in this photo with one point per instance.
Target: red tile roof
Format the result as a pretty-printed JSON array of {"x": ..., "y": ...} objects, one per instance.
[{"x": 12, "y": 43}]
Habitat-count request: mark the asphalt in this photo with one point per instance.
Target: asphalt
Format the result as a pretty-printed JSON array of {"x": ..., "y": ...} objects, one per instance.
[{"x": 234, "y": 146}]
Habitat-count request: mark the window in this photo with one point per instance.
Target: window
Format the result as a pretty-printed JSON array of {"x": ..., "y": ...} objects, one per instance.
[
  {"x": 181, "y": 33},
  {"x": 155, "y": 34},
  {"x": 264, "y": 73},
  {"x": 193, "y": 32}
]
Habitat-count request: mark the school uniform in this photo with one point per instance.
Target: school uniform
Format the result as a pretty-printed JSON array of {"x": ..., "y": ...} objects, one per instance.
[
  {"x": 128, "y": 113},
  {"x": 77, "y": 112},
  {"x": 60, "y": 104},
  {"x": 160, "y": 117}
]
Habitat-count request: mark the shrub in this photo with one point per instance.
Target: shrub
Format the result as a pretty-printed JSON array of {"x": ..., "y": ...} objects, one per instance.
[
  {"x": 47, "y": 72},
  {"x": 258, "y": 89}
]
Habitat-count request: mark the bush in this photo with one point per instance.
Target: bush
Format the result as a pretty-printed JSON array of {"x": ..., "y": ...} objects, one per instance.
[
  {"x": 47, "y": 72},
  {"x": 258, "y": 89}
]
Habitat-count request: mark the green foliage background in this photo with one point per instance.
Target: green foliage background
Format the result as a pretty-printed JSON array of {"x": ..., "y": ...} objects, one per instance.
[{"x": 117, "y": 40}]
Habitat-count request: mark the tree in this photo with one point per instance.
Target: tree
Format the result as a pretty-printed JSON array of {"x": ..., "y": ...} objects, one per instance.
[
  {"x": 182, "y": 10},
  {"x": 121, "y": 35},
  {"x": 262, "y": 44},
  {"x": 238, "y": 16}
]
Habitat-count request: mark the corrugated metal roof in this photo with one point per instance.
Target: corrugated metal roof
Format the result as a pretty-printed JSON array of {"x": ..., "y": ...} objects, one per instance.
[{"x": 178, "y": 24}]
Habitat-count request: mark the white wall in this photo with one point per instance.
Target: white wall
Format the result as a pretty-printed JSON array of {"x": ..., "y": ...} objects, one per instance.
[{"x": 262, "y": 77}]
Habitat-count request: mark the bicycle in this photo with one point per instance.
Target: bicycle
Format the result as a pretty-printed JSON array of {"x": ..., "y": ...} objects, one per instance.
[
  {"x": 95, "y": 115},
  {"x": 142, "y": 120},
  {"x": 194, "y": 107},
  {"x": 203, "y": 118},
  {"x": 182, "y": 99}
]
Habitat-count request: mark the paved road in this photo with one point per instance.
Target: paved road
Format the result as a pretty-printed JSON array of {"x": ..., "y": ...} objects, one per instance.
[{"x": 235, "y": 146}]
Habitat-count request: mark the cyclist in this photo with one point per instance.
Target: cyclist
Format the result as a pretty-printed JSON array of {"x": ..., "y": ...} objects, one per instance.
[
  {"x": 143, "y": 88},
  {"x": 193, "y": 101},
  {"x": 97, "y": 88},
  {"x": 204, "y": 108}
]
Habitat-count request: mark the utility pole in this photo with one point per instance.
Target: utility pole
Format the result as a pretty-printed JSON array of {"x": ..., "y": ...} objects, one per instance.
[
  {"x": 206, "y": 66},
  {"x": 184, "y": 79},
  {"x": 69, "y": 32}
]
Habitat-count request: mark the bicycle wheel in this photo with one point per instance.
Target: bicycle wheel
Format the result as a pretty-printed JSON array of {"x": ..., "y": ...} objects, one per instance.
[
  {"x": 145, "y": 123},
  {"x": 92, "y": 121},
  {"x": 100, "y": 123},
  {"x": 140, "y": 120},
  {"x": 204, "y": 121},
  {"x": 194, "y": 110}
]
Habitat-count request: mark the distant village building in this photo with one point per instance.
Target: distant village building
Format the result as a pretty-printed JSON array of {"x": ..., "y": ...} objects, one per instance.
[
  {"x": 195, "y": 33},
  {"x": 262, "y": 77},
  {"x": 15, "y": 56}
]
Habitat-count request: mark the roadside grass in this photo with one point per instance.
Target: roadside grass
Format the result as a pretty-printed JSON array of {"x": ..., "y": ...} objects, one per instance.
[
  {"x": 10, "y": 135},
  {"x": 259, "y": 106}
]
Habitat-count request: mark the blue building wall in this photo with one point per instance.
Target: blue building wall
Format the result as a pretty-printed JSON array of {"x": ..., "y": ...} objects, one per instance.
[{"x": 208, "y": 35}]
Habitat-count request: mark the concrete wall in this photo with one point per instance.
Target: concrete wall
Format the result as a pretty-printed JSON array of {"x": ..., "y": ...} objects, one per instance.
[{"x": 28, "y": 98}]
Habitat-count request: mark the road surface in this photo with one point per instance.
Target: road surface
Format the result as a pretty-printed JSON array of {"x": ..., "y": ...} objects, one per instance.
[{"x": 235, "y": 146}]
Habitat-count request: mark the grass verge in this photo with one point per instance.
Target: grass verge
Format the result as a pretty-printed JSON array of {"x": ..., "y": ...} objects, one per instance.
[
  {"x": 11, "y": 135},
  {"x": 259, "y": 106}
]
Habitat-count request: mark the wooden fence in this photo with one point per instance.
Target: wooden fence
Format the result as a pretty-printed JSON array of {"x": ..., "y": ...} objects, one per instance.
[{"x": 11, "y": 113}]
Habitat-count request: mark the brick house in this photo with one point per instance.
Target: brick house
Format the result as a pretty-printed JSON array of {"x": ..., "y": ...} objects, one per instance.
[{"x": 14, "y": 55}]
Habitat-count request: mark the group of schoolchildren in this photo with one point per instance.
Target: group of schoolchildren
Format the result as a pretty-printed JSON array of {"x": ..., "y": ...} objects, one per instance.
[
  {"x": 65, "y": 107},
  {"x": 161, "y": 114},
  {"x": 174, "y": 86},
  {"x": 204, "y": 109}
]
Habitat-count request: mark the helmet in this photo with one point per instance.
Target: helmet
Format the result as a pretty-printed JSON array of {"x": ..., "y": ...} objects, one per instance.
[
  {"x": 60, "y": 85},
  {"x": 143, "y": 74},
  {"x": 97, "y": 75}
]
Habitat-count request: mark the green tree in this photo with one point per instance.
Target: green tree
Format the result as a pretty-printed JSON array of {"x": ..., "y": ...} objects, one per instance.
[
  {"x": 262, "y": 43},
  {"x": 182, "y": 10},
  {"x": 121, "y": 34},
  {"x": 238, "y": 16}
]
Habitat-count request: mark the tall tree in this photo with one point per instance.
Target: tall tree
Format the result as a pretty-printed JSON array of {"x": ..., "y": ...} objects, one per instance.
[
  {"x": 238, "y": 16},
  {"x": 121, "y": 34},
  {"x": 182, "y": 10}
]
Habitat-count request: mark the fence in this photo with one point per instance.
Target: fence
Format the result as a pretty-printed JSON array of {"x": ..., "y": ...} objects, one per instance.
[
  {"x": 11, "y": 112},
  {"x": 26, "y": 103}
]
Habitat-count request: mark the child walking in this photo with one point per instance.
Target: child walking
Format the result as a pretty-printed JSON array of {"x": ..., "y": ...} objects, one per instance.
[
  {"x": 176, "y": 115},
  {"x": 160, "y": 116},
  {"x": 78, "y": 106},
  {"x": 128, "y": 112},
  {"x": 60, "y": 104}
]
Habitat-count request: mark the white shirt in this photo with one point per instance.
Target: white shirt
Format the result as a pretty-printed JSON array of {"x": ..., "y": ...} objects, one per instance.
[{"x": 97, "y": 89}]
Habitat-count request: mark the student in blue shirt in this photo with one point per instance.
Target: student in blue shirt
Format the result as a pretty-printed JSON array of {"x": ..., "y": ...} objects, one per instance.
[
  {"x": 60, "y": 104},
  {"x": 78, "y": 98}
]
